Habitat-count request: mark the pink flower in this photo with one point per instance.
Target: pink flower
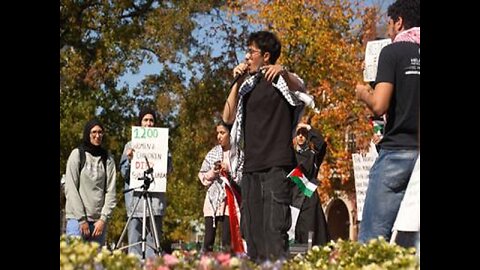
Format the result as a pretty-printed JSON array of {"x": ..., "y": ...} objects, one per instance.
[
  {"x": 162, "y": 267},
  {"x": 170, "y": 260},
  {"x": 223, "y": 258},
  {"x": 205, "y": 262}
]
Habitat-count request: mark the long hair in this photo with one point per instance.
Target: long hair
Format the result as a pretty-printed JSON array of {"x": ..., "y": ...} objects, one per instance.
[{"x": 306, "y": 134}]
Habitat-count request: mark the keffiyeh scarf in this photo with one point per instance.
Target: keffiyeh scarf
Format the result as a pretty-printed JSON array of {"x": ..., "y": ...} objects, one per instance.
[
  {"x": 409, "y": 35},
  {"x": 236, "y": 135}
]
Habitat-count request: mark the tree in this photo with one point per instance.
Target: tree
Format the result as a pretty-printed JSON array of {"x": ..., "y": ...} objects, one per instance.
[
  {"x": 200, "y": 106},
  {"x": 100, "y": 41}
]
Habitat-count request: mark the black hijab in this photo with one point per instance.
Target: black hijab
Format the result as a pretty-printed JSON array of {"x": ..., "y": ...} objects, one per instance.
[
  {"x": 145, "y": 111},
  {"x": 87, "y": 145}
]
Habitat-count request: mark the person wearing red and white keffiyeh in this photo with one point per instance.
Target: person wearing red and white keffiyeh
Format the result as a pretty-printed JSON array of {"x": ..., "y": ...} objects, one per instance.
[
  {"x": 396, "y": 94},
  {"x": 222, "y": 201}
]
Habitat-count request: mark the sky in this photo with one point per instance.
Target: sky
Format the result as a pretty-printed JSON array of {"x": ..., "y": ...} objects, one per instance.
[{"x": 155, "y": 68}]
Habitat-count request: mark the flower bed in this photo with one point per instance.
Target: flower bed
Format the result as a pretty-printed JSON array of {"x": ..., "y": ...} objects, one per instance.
[{"x": 377, "y": 254}]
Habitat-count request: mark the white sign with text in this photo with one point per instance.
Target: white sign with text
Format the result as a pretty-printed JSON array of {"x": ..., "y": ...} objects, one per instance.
[
  {"x": 408, "y": 217},
  {"x": 149, "y": 144},
  {"x": 361, "y": 171},
  {"x": 372, "y": 52}
]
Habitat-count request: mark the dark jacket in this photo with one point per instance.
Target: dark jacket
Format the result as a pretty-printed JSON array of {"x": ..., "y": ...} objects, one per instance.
[
  {"x": 310, "y": 161},
  {"x": 311, "y": 217}
]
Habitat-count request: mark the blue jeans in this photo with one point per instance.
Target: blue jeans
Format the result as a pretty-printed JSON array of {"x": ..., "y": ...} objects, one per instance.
[
  {"x": 73, "y": 229},
  {"x": 388, "y": 181}
]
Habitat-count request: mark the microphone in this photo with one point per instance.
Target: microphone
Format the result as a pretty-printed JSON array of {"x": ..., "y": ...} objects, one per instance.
[{"x": 236, "y": 79}]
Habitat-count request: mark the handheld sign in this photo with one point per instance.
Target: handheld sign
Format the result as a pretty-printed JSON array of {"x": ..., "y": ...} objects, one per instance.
[
  {"x": 149, "y": 143},
  {"x": 372, "y": 52},
  {"x": 361, "y": 172}
]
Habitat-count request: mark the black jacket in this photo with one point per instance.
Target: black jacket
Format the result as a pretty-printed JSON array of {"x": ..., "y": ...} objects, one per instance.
[{"x": 310, "y": 161}]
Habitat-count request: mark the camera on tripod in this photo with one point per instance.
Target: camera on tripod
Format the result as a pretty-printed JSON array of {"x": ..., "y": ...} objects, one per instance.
[
  {"x": 146, "y": 198},
  {"x": 146, "y": 179},
  {"x": 148, "y": 171}
]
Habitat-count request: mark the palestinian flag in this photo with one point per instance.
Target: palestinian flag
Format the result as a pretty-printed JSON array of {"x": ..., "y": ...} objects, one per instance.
[{"x": 297, "y": 176}]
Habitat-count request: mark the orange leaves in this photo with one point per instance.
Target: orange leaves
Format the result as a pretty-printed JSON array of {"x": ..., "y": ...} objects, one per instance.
[{"x": 369, "y": 26}]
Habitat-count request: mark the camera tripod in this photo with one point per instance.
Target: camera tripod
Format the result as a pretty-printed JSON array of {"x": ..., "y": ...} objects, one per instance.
[{"x": 147, "y": 199}]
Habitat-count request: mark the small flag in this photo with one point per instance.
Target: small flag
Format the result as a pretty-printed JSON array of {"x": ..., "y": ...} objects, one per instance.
[
  {"x": 302, "y": 182},
  {"x": 378, "y": 126}
]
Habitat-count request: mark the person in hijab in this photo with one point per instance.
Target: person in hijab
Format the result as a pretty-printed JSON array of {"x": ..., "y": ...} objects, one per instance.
[
  {"x": 146, "y": 118},
  {"x": 90, "y": 189},
  {"x": 310, "y": 149}
]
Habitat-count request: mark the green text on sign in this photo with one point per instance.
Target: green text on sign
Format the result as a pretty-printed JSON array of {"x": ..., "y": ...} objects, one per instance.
[{"x": 140, "y": 133}]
